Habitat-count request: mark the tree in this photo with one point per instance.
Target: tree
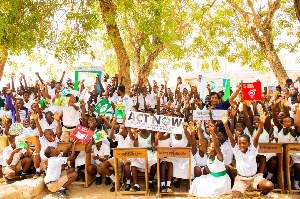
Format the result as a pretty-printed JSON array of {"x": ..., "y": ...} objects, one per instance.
[{"x": 246, "y": 31}]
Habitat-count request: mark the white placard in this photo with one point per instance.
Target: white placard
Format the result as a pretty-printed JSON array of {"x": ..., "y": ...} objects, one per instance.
[
  {"x": 88, "y": 68},
  {"x": 203, "y": 114}
]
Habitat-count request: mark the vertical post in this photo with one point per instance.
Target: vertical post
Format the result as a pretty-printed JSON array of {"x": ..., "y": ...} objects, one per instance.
[
  {"x": 117, "y": 175},
  {"x": 146, "y": 174},
  {"x": 190, "y": 171},
  {"x": 88, "y": 176},
  {"x": 287, "y": 168},
  {"x": 158, "y": 174}
]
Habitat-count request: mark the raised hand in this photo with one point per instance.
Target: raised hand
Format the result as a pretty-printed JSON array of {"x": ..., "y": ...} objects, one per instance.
[
  {"x": 56, "y": 116},
  {"x": 34, "y": 116},
  {"x": 238, "y": 133},
  {"x": 115, "y": 121},
  {"x": 199, "y": 123},
  {"x": 224, "y": 117},
  {"x": 263, "y": 117},
  {"x": 184, "y": 124},
  {"x": 208, "y": 86},
  {"x": 192, "y": 127}
]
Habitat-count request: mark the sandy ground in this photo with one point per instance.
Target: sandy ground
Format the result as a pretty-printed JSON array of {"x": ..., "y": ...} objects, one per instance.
[{"x": 102, "y": 191}]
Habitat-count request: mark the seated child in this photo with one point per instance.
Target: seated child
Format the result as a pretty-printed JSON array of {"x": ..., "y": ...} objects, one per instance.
[
  {"x": 14, "y": 160},
  {"x": 55, "y": 179}
]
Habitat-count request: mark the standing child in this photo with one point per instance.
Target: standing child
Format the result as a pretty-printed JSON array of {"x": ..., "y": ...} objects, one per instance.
[
  {"x": 245, "y": 154},
  {"x": 217, "y": 183}
]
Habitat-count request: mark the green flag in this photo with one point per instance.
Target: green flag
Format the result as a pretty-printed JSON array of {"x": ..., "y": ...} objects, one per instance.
[
  {"x": 102, "y": 107},
  {"x": 119, "y": 111},
  {"x": 227, "y": 90}
]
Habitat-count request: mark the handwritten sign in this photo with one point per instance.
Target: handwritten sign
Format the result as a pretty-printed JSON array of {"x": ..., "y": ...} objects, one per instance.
[
  {"x": 82, "y": 134},
  {"x": 204, "y": 115},
  {"x": 130, "y": 152},
  {"x": 180, "y": 152}
]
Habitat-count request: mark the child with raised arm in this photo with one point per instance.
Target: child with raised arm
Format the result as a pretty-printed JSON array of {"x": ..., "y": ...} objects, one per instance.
[
  {"x": 55, "y": 179},
  {"x": 245, "y": 154},
  {"x": 217, "y": 183}
]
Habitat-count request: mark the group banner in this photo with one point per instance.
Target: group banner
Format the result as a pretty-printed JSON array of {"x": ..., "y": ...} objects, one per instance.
[
  {"x": 154, "y": 123},
  {"x": 204, "y": 115}
]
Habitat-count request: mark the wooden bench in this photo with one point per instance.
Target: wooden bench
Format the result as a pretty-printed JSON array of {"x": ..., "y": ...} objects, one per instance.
[
  {"x": 288, "y": 149},
  {"x": 178, "y": 152},
  {"x": 62, "y": 146},
  {"x": 130, "y": 153},
  {"x": 278, "y": 149}
]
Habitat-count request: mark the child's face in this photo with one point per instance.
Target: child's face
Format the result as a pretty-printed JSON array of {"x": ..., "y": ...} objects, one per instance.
[
  {"x": 241, "y": 117},
  {"x": 26, "y": 123},
  {"x": 214, "y": 100},
  {"x": 26, "y": 96},
  {"x": 49, "y": 135},
  {"x": 243, "y": 144},
  {"x": 281, "y": 115},
  {"x": 98, "y": 144},
  {"x": 287, "y": 122},
  {"x": 240, "y": 127},
  {"x": 72, "y": 99},
  {"x": 256, "y": 121},
  {"x": 32, "y": 124},
  {"x": 122, "y": 130},
  {"x": 13, "y": 143},
  {"x": 33, "y": 107},
  {"x": 221, "y": 138},
  {"x": 54, "y": 152},
  {"x": 211, "y": 150},
  {"x": 92, "y": 123},
  {"x": 20, "y": 103},
  {"x": 49, "y": 118},
  {"x": 293, "y": 100}
]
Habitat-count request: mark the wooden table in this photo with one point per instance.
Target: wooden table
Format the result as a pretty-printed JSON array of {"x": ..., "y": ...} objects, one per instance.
[
  {"x": 275, "y": 148},
  {"x": 288, "y": 149},
  {"x": 130, "y": 153},
  {"x": 178, "y": 152},
  {"x": 62, "y": 146}
]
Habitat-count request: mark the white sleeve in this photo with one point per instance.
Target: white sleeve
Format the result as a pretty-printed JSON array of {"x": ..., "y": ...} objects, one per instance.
[
  {"x": 63, "y": 160},
  {"x": 235, "y": 149},
  {"x": 6, "y": 155},
  {"x": 275, "y": 132},
  {"x": 117, "y": 138},
  {"x": 106, "y": 150},
  {"x": 255, "y": 150}
]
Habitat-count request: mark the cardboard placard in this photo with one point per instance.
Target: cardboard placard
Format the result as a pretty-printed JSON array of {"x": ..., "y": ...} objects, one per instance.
[{"x": 82, "y": 134}]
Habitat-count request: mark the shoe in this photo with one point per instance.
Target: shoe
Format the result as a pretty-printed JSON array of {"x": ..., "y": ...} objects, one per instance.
[
  {"x": 269, "y": 195},
  {"x": 23, "y": 175},
  {"x": 113, "y": 188},
  {"x": 176, "y": 184},
  {"x": 127, "y": 188},
  {"x": 83, "y": 177},
  {"x": 151, "y": 187},
  {"x": 36, "y": 175},
  {"x": 107, "y": 181},
  {"x": 78, "y": 176},
  {"x": 168, "y": 189},
  {"x": 8, "y": 181},
  {"x": 98, "y": 180},
  {"x": 163, "y": 189},
  {"x": 134, "y": 189},
  {"x": 61, "y": 194}
]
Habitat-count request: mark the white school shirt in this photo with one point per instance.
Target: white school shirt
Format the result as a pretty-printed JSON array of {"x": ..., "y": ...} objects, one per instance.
[
  {"x": 51, "y": 91},
  {"x": 246, "y": 162},
  {"x": 104, "y": 150},
  {"x": 141, "y": 101},
  {"x": 6, "y": 155},
  {"x": 123, "y": 143},
  {"x": 71, "y": 116},
  {"x": 126, "y": 100},
  {"x": 152, "y": 100},
  {"x": 28, "y": 104},
  {"x": 182, "y": 86},
  {"x": 45, "y": 125},
  {"x": 226, "y": 150},
  {"x": 45, "y": 143},
  {"x": 31, "y": 132},
  {"x": 22, "y": 114},
  {"x": 54, "y": 168}
]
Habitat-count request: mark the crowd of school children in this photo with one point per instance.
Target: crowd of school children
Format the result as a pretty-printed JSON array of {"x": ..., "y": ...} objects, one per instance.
[{"x": 215, "y": 145}]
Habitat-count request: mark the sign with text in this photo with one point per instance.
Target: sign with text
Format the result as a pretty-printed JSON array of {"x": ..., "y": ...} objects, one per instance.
[
  {"x": 82, "y": 134},
  {"x": 102, "y": 107},
  {"x": 203, "y": 114},
  {"x": 155, "y": 123},
  {"x": 251, "y": 91}
]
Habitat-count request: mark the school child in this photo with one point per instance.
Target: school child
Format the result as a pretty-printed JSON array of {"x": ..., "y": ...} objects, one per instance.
[
  {"x": 21, "y": 109},
  {"x": 55, "y": 179},
  {"x": 125, "y": 140},
  {"x": 46, "y": 138},
  {"x": 15, "y": 159},
  {"x": 199, "y": 155},
  {"x": 217, "y": 183},
  {"x": 101, "y": 153},
  {"x": 48, "y": 122},
  {"x": 29, "y": 128},
  {"x": 144, "y": 139},
  {"x": 245, "y": 154}
]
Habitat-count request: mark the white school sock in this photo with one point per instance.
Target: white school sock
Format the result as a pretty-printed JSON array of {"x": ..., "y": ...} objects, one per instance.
[
  {"x": 168, "y": 183},
  {"x": 38, "y": 170},
  {"x": 162, "y": 183},
  {"x": 137, "y": 185},
  {"x": 61, "y": 189},
  {"x": 128, "y": 181},
  {"x": 261, "y": 174},
  {"x": 98, "y": 175},
  {"x": 112, "y": 177},
  {"x": 150, "y": 181},
  {"x": 269, "y": 176},
  {"x": 296, "y": 185}
]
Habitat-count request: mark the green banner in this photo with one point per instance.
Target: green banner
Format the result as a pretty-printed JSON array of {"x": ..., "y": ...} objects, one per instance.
[{"x": 102, "y": 107}]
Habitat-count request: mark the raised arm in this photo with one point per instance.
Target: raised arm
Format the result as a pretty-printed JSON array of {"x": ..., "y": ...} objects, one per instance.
[
  {"x": 187, "y": 134},
  {"x": 297, "y": 120},
  {"x": 72, "y": 156},
  {"x": 193, "y": 141},
  {"x": 18, "y": 119},
  {"x": 235, "y": 94},
  {"x": 83, "y": 117},
  {"x": 62, "y": 77},
  {"x": 89, "y": 146},
  {"x": 262, "y": 119},
  {"x": 201, "y": 137},
  {"x": 215, "y": 141},
  {"x": 58, "y": 128},
  {"x": 111, "y": 133},
  {"x": 35, "y": 118},
  {"x": 38, "y": 75},
  {"x": 247, "y": 119},
  {"x": 229, "y": 133}
]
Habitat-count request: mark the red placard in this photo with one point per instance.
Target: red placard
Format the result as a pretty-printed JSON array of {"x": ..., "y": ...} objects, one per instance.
[
  {"x": 82, "y": 134},
  {"x": 251, "y": 91}
]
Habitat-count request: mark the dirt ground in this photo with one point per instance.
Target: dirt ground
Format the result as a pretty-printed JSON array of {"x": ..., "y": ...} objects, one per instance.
[{"x": 102, "y": 191}]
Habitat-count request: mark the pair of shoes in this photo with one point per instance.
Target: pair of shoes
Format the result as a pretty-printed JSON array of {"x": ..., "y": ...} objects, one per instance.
[
  {"x": 61, "y": 194},
  {"x": 176, "y": 184},
  {"x": 107, "y": 181},
  {"x": 134, "y": 189},
  {"x": 151, "y": 187},
  {"x": 113, "y": 188},
  {"x": 163, "y": 189},
  {"x": 168, "y": 189},
  {"x": 36, "y": 175},
  {"x": 127, "y": 188},
  {"x": 98, "y": 180},
  {"x": 269, "y": 195},
  {"x": 8, "y": 181},
  {"x": 23, "y": 175}
]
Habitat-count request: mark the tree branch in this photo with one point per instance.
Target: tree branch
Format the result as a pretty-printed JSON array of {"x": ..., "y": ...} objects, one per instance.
[
  {"x": 256, "y": 20},
  {"x": 272, "y": 9}
]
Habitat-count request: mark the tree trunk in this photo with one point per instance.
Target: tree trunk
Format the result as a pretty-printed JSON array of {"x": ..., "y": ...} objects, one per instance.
[
  {"x": 3, "y": 59},
  {"x": 274, "y": 60},
  {"x": 297, "y": 8},
  {"x": 109, "y": 15}
]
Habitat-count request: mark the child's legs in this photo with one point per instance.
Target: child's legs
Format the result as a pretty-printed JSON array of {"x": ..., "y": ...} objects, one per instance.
[
  {"x": 105, "y": 168},
  {"x": 9, "y": 172},
  {"x": 297, "y": 171},
  {"x": 134, "y": 174},
  {"x": 65, "y": 136},
  {"x": 272, "y": 164},
  {"x": 71, "y": 178},
  {"x": 261, "y": 159},
  {"x": 70, "y": 170},
  {"x": 266, "y": 186},
  {"x": 240, "y": 186},
  {"x": 26, "y": 162},
  {"x": 205, "y": 171},
  {"x": 127, "y": 170},
  {"x": 163, "y": 171},
  {"x": 36, "y": 160},
  {"x": 92, "y": 169},
  {"x": 197, "y": 171},
  {"x": 152, "y": 172},
  {"x": 170, "y": 171}
]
